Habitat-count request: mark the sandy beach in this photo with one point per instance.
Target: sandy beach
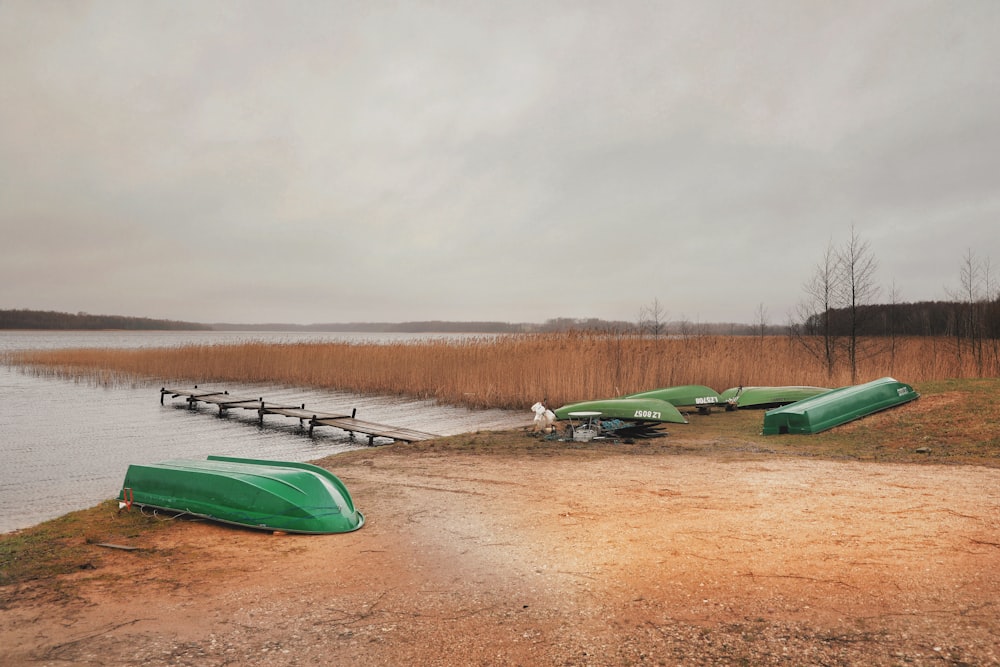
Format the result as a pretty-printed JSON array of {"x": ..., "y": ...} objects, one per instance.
[{"x": 562, "y": 557}]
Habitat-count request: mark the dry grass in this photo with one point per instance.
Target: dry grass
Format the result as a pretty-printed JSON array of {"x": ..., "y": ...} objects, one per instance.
[
  {"x": 63, "y": 545},
  {"x": 508, "y": 371}
]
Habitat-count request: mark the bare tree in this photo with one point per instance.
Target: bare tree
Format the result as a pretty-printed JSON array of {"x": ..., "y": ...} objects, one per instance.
[
  {"x": 760, "y": 320},
  {"x": 684, "y": 326},
  {"x": 969, "y": 304},
  {"x": 816, "y": 333},
  {"x": 653, "y": 319},
  {"x": 892, "y": 323},
  {"x": 858, "y": 289},
  {"x": 991, "y": 315}
]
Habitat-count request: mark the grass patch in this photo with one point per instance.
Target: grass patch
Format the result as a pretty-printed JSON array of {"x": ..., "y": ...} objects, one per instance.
[
  {"x": 67, "y": 544},
  {"x": 953, "y": 422}
]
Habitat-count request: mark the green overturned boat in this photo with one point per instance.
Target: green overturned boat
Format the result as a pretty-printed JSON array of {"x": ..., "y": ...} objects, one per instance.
[
  {"x": 270, "y": 495},
  {"x": 837, "y": 406},
  {"x": 767, "y": 397},
  {"x": 627, "y": 409},
  {"x": 684, "y": 396}
]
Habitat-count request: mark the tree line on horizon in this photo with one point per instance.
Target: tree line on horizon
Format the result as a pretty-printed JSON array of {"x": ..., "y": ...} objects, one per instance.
[
  {"x": 922, "y": 318},
  {"x": 48, "y": 319}
]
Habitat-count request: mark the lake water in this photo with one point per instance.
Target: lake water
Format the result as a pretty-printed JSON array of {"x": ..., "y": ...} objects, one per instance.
[{"x": 65, "y": 445}]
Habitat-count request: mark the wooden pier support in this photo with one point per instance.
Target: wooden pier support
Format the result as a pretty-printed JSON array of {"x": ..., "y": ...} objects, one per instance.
[{"x": 349, "y": 423}]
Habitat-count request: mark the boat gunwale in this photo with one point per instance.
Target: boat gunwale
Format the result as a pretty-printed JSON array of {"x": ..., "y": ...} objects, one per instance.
[{"x": 180, "y": 513}]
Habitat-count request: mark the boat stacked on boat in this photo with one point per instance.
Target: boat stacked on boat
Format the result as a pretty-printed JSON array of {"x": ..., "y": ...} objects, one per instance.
[
  {"x": 623, "y": 417},
  {"x": 637, "y": 415},
  {"x": 791, "y": 409},
  {"x": 685, "y": 396},
  {"x": 635, "y": 409},
  {"x": 767, "y": 397},
  {"x": 656, "y": 405}
]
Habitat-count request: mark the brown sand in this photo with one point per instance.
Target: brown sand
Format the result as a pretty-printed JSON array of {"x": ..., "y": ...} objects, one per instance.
[{"x": 565, "y": 559}]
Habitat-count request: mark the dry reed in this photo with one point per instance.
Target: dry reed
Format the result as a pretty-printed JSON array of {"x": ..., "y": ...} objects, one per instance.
[{"x": 509, "y": 371}]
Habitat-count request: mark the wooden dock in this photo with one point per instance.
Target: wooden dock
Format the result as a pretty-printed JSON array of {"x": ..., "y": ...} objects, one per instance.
[{"x": 347, "y": 422}]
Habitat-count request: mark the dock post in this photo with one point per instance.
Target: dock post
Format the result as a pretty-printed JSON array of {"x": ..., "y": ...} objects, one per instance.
[
  {"x": 354, "y": 412},
  {"x": 162, "y": 391},
  {"x": 260, "y": 412},
  {"x": 312, "y": 423}
]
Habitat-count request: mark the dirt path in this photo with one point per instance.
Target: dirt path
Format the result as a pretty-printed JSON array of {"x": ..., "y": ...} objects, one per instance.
[{"x": 560, "y": 560}]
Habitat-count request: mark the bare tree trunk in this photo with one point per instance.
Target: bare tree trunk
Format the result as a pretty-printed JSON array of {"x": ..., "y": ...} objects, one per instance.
[
  {"x": 817, "y": 334},
  {"x": 858, "y": 266},
  {"x": 760, "y": 322},
  {"x": 891, "y": 326},
  {"x": 967, "y": 323}
]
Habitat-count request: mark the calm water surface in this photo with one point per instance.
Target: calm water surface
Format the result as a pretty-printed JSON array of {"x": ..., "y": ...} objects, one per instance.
[{"x": 65, "y": 445}]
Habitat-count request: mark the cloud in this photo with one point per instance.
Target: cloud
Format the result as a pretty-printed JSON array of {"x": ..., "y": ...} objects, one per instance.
[{"x": 515, "y": 161}]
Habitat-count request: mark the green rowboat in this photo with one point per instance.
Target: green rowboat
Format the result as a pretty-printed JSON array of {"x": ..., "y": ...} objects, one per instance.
[
  {"x": 684, "y": 396},
  {"x": 836, "y": 407},
  {"x": 767, "y": 397},
  {"x": 270, "y": 495},
  {"x": 629, "y": 409}
]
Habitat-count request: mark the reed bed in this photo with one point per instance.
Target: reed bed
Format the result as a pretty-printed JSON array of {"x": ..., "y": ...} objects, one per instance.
[{"x": 510, "y": 371}]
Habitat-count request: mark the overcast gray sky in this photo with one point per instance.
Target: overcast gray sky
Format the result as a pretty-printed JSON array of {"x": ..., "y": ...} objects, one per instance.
[{"x": 328, "y": 161}]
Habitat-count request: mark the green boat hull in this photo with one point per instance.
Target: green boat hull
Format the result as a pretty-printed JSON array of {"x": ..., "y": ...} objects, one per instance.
[
  {"x": 684, "y": 396},
  {"x": 628, "y": 409},
  {"x": 270, "y": 495},
  {"x": 838, "y": 406},
  {"x": 767, "y": 397}
]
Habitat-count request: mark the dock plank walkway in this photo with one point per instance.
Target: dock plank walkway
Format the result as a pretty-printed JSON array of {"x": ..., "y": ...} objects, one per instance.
[{"x": 347, "y": 422}]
